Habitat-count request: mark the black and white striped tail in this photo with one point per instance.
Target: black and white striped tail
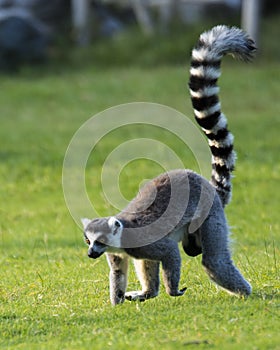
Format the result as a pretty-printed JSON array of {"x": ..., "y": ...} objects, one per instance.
[{"x": 204, "y": 73}]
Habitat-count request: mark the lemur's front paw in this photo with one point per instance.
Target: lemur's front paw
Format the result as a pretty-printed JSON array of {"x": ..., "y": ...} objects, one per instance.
[
  {"x": 118, "y": 298},
  {"x": 139, "y": 295}
]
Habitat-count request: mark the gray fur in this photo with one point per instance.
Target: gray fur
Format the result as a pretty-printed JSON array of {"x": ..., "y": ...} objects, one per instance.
[
  {"x": 148, "y": 275},
  {"x": 180, "y": 206},
  {"x": 118, "y": 277}
]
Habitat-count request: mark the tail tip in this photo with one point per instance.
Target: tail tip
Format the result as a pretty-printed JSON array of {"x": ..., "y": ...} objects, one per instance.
[{"x": 223, "y": 39}]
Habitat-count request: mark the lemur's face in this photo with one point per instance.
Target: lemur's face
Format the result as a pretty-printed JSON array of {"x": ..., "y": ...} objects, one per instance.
[{"x": 101, "y": 235}]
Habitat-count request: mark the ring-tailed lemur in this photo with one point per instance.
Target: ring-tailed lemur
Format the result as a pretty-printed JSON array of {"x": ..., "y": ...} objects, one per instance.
[{"x": 149, "y": 212}]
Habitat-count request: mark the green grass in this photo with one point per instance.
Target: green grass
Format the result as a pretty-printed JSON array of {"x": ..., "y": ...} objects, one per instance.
[{"x": 51, "y": 295}]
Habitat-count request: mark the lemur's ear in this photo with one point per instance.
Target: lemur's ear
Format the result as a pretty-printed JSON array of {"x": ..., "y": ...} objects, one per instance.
[
  {"x": 114, "y": 224},
  {"x": 85, "y": 222}
]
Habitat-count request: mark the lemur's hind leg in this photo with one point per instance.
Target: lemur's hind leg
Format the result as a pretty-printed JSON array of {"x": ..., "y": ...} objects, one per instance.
[
  {"x": 148, "y": 275},
  {"x": 118, "y": 277},
  {"x": 216, "y": 256}
]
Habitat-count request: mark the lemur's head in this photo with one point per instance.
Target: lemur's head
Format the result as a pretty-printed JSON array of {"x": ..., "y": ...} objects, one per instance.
[{"x": 101, "y": 234}]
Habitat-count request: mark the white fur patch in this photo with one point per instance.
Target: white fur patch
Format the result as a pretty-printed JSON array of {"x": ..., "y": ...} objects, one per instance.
[
  {"x": 113, "y": 221},
  {"x": 91, "y": 237},
  {"x": 206, "y": 72},
  {"x": 229, "y": 162},
  {"x": 222, "y": 143},
  {"x": 204, "y": 53},
  {"x": 114, "y": 238},
  {"x": 205, "y": 92},
  {"x": 85, "y": 222},
  {"x": 207, "y": 112}
]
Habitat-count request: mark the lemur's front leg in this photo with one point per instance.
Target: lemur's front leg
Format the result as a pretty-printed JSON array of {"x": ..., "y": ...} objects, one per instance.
[
  {"x": 171, "y": 269},
  {"x": 148, "y": 275},
  {"x": 165, "y": 251},
  {"x": 118, "y": 277}
]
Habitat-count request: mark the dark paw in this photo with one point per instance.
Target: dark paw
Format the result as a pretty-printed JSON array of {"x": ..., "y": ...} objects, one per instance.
[
  {"x": 139, "y": 296},
  {"x": 182, "y": 291},
  {"x": 178, "y": 293},
  {"x": 135, "y": 296}
]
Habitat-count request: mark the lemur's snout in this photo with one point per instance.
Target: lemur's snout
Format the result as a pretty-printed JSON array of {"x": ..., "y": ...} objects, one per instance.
[
  {"x": 96, "y": 250},
  {"x": 93, "y": 254}
]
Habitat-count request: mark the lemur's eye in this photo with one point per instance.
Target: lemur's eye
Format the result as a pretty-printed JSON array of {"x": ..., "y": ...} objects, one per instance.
[{"x": 87, "y": 241}]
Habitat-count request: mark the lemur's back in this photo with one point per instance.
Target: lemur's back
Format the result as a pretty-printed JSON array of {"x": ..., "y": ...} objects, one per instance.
[{"x": 179, "y": 196}]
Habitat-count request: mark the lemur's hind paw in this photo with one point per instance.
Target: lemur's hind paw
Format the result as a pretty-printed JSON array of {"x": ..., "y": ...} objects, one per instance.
[
  {"x": 139, "y": 295},
  {"x": 182, "y": 291},
  {"x": 178, "y": 293}
]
